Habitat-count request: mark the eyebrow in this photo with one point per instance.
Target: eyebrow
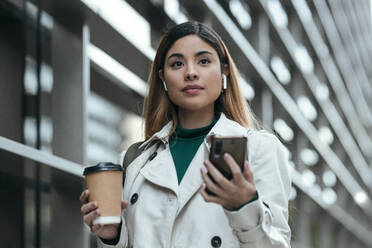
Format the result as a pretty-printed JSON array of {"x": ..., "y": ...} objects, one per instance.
[{"x": 180, "y": 55}]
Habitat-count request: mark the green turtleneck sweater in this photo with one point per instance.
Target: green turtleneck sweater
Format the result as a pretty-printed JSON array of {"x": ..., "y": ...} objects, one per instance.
[{"x": 184, "y": 143}]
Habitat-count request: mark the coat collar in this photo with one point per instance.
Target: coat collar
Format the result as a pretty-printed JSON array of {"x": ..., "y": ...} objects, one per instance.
[
  {"x": 223, "y": 127},
  {"x": 160, "y": 135}
]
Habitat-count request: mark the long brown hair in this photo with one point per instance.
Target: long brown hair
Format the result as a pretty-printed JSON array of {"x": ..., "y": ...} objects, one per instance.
[{"x": 159, "y": 110}]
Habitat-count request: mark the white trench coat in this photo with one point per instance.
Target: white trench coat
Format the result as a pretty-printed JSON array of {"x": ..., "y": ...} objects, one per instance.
[{"x": 163, "y": 213}]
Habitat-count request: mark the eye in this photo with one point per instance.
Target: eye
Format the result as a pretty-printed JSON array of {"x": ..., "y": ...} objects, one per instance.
[
  {"x": 204, "y": 61},
  {"x": 176, "y": 64}
]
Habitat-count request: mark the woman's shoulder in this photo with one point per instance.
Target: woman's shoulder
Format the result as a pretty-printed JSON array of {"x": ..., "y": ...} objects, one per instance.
[
  {"x": 261, "y": 134},
  {"x": 264, "y": 140}
]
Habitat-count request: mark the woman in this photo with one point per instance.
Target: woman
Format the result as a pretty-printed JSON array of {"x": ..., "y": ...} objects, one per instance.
[{"x": 194, "y": 94}]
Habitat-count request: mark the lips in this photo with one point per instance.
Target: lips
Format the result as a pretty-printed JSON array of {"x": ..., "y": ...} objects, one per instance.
[{"x": 192, "y": 87}]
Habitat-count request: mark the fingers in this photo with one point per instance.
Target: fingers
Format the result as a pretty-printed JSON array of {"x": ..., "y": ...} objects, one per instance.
[
  {"x": 89, "y": 209},
  {"x": 234, "y": 168},
  {"x": 248, "y": 174},
  {"x": 124, "y": 204},
  {"x": 88, "y": 218},
  {"x": 84, "y": 197},
  {"x": 96, "y": 228},
  {"x": 86, "y": 208},
  {"x": 207, "y": 197},
  {"x": 229, "y": 194},
  {"x": 210, "y": 184},
  {"x": 219, "y": 179}
]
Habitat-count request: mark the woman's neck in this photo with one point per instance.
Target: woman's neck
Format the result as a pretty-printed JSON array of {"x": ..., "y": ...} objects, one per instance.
[{"x": 191, "y": 119}]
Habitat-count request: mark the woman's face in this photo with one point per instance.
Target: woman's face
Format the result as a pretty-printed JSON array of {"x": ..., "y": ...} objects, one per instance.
[{"x": 192, "y": 73}]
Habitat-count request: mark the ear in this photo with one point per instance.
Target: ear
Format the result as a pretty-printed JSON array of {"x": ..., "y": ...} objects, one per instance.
[
  {"x": 161, "y": 75},
  {"x": 225, "y": 69}
]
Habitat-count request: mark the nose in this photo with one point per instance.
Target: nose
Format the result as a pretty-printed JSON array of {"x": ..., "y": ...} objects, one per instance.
[{"x": 191, "y": 74}]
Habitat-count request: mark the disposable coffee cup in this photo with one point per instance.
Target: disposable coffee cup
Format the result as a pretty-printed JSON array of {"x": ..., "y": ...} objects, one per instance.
[{"x": 104, "y": 182}]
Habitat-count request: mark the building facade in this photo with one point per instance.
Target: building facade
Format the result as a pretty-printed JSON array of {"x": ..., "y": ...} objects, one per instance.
[{"x": 73, "y": 78}]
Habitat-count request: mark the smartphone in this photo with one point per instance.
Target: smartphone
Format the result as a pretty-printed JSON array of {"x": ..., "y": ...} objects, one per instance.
[{"x": 235, "y": 146}]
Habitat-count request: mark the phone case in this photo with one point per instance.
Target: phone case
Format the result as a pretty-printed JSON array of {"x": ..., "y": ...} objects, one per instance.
[{"x": 235, "y": 146}]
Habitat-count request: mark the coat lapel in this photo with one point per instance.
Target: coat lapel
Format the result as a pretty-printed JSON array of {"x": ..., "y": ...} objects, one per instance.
[
  {"x": 161, "y": 171},
  {"x": 134, "y": 168},
  {"x": 192, "y": 179}
]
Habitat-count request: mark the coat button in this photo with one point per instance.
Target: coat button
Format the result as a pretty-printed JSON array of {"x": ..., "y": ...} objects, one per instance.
[
  {"x": 134, "y": 198},
  {"x": 153, "y": 155},
  {"x": 216, "y": 241}
]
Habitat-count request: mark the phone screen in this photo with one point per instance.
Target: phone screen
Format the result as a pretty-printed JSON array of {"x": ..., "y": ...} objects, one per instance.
[{"x": 235, "y": 146}]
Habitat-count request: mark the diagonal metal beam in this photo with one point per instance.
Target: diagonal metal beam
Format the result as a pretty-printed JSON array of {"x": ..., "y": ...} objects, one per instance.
[
  {"x": 347, "y": 70},
  {"x": 362, "y": 46},
  {"x": 364, "y": 21},
  {"x": 330, "y": 111},
  {"x": 42, "y": 157},
  {"x": 345, "y": 30},
  {"x": 335, "y": 79},
  {"x": 337, "y": 212}
]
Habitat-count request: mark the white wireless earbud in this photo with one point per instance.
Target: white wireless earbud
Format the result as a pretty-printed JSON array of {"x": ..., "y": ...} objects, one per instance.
[
  {"x": 165, "y": 86},
  {"x": 224, "y": 81}
]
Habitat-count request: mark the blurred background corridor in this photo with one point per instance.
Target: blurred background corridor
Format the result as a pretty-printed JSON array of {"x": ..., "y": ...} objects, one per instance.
[{"x": 73, "y": 77}]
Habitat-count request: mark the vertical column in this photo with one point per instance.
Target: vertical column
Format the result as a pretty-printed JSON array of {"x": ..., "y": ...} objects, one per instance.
[
  {"x": 370, "y": 14},
  {"x": 69, "y": 137},
  {"x": 264, "y": 51},
  {"x": 264, "y": 47},
  {"x": 344, "y": 239},
  {"x": 11, "y": 167},
  {"x": 11, "y": 80},
  {"x": 303, "y": 231},
  {"x": 69, "y": 95},
  {"x": 326, "y": 230}
]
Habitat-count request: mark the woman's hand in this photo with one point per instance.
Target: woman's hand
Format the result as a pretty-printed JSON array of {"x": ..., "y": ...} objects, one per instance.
[
  {"x": 90, "y": 211},
  {"x": 230, "y": 194}
]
